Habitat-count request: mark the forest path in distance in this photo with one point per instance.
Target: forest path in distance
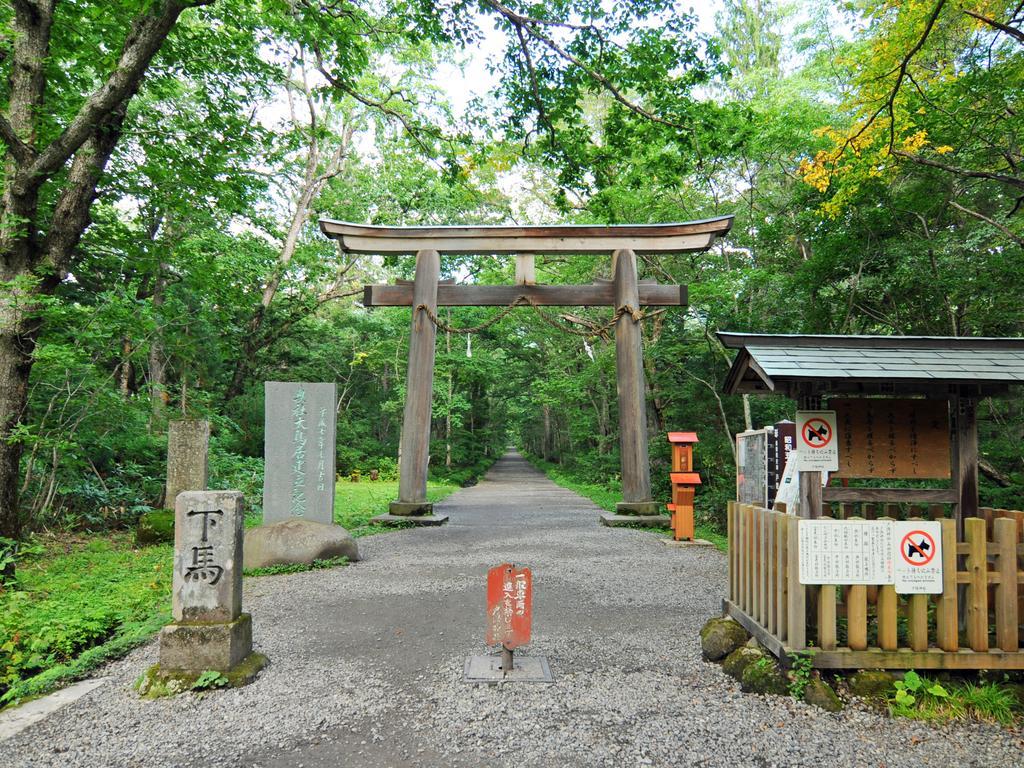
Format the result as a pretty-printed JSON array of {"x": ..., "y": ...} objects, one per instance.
[{"x": 367, "y": 664}]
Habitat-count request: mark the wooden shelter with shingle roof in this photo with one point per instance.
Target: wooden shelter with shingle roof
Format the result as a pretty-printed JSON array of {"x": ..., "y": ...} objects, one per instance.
[{"x": 955, "y": 371}]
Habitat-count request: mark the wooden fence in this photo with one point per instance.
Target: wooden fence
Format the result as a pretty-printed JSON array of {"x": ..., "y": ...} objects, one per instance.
[{"x": 973, "y": 624}]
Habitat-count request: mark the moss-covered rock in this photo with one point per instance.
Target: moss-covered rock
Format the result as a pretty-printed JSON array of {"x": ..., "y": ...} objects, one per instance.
[
  {"x": 765, "y": 676},
  {"x": 156, "y": 527},
  {"x": 871, "y": 683},
  {"x": 739, "y": 660},
  {"x": 720, "y": 637},
  {"x": 820, "y": 694}
]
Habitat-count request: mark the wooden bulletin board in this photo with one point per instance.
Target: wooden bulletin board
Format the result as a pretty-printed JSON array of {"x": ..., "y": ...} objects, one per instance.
[
  {"x": 900, "y": 438},
  {"x": 752, "y": 466}
]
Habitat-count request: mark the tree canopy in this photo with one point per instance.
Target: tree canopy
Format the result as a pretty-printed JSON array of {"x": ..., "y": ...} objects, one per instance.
[{"x": 165, "y": 163}]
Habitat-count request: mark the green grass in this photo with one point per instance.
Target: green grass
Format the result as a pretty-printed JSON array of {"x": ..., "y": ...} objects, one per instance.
[
  {"x": 922, "y": 698},
  {"x": 277, "y": 570},
  {"x": 607, "y": 496},
  {"x": 356, "y": 503},
  {"x": 88, "y": 599}
]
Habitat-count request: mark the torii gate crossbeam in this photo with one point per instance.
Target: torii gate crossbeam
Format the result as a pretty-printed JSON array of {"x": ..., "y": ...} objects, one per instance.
[{"x": 624, "y": 291}]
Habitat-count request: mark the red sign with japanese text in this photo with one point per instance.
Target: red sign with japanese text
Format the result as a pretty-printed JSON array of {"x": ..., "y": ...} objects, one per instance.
[{"x": 509, "y": 605}]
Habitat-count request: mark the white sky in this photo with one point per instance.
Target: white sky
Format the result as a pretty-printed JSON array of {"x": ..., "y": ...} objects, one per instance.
[{"x": 463, "y": 84}]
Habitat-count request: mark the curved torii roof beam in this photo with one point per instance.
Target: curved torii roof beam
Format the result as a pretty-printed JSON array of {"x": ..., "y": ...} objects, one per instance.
[{"x": 563, "y": 238}]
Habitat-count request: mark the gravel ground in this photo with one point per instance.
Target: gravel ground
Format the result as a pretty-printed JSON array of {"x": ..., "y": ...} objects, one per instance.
[{"x": 366, "y": 665}]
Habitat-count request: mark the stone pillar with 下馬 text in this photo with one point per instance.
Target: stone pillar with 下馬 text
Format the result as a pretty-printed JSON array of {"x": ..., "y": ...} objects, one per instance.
[
  {"x": 209, "y": 631},
  {"x": 299, "y": 451},
  {"x": 419, "y": 390},
  {"x": 188, "y": 446},
  {"x": 636, "y": 471}
]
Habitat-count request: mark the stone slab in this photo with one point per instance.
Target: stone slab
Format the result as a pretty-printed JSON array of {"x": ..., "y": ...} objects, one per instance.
[
  {"x": 525, "y": 669},
  {"x": 647, "y": 521},
  {"x": 299, "y": 423},
  {"x": 686, "y": 543},
  {"x": 424, "y": 520},
  {"x": 197, "y": 647},
  {"x": 645, "y": 508},
  {"x": 14, "y": 721},
  {"x": 207, "y": 583},
  {"x": 188, "y": 452}
]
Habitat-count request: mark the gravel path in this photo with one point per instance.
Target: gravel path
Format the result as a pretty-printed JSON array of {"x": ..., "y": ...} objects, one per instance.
[{"x": 366, "y": 665}]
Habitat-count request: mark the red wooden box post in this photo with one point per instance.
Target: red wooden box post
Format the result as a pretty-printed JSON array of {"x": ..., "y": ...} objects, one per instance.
[{"x": 684, "y": 484}]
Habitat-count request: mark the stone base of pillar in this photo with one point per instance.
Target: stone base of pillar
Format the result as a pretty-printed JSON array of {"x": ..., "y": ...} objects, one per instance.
[
  {"x": 646, "y": 508},
  {"x": 403, "y": 520},
  {"x": 410, "y": 508},
  {"x": 156, "y": 682},
  {"x": 197, "y": 647}
]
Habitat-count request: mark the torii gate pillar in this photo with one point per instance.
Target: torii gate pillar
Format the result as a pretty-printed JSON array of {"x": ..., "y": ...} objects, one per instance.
[
  {"x": 629, "y": 370},
  {"x": 419, "y": 391}
]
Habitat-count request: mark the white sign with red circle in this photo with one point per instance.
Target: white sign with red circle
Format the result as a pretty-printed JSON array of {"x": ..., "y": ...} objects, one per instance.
[
  {"x": 918, "y": 565},
  {"x": 817, "y": 445}
]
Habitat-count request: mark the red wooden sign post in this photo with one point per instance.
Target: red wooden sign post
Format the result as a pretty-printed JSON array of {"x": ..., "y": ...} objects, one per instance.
[{"x": 509, "y": 609}]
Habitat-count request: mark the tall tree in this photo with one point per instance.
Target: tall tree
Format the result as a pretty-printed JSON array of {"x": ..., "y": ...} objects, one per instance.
[{"x": 53, "y": 161}]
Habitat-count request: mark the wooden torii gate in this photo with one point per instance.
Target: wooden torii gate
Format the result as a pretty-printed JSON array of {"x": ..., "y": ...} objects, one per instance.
[{"x": 624, "y": 292}]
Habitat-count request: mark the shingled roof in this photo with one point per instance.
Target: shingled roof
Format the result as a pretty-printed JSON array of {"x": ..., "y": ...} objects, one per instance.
[{"x": 783, "y": 363}]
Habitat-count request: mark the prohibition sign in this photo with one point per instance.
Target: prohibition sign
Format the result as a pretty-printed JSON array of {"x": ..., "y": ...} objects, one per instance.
[
  {"x": 923, "y": 548},
  {"x": 816, "y": 432}
]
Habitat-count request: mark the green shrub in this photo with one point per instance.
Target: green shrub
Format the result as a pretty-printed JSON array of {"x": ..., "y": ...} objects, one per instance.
[
  {"x": 232, "y": 472},
  {"x": 66, "y": 603}
]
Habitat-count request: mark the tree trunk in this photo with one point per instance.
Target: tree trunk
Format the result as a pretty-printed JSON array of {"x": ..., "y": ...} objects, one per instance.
[
  {"x": 124, "y": 368},
  {"x": 36, "y": 252},
  {"x": 157, "y": 364},
  {"x": 17, "y": 343},
  {"x": 545, "y": 451}
]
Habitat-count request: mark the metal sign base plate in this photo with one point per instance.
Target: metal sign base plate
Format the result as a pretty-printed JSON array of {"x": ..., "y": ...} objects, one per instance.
[{"x": 525, "y": 669}]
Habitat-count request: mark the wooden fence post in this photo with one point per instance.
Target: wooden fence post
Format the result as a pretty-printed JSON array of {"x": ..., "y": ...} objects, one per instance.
[
  {"x": 730, "y": 517},
  {"x": 749, "y": 554},
  {"x": 771, "y": 574},
  {"x": 758, "y": 566},
  {"x": 797, "y": 599},
  {"x": 977, "y": 584},
  {"x": 946, "y": 621},
  {"x": 1005, "y": 537},
  {"x": 781, "y": 576},
  {"x": 886, "y": 608}
]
